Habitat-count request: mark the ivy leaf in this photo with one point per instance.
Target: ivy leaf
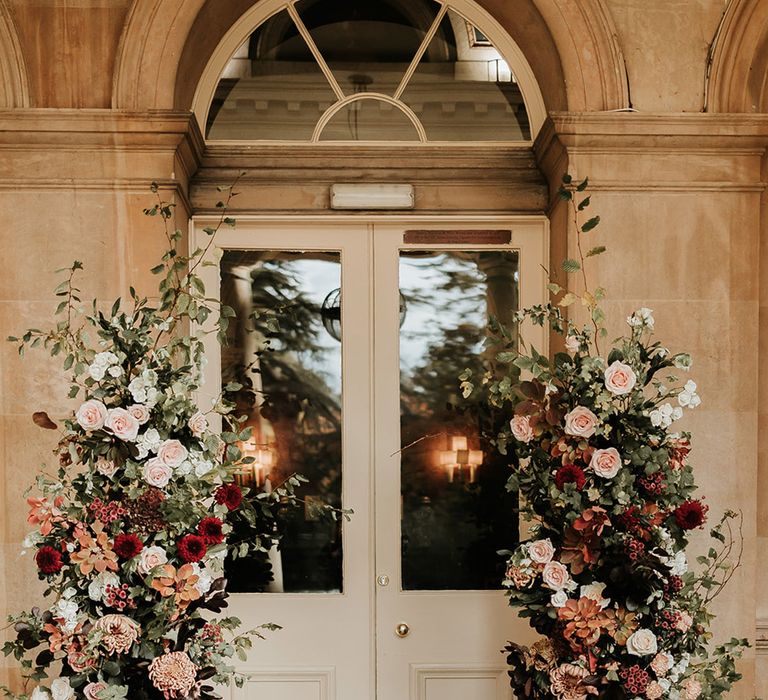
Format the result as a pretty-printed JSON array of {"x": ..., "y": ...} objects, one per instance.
[
  {"x": 584, "y": 203},
  {"x": 597, "y": 250},
  {"x": 582, "y": 185},
  {"x": 589, "y": 225},
  {"x": 568, "y": 299},
  {"x": 571, "y": 265}
]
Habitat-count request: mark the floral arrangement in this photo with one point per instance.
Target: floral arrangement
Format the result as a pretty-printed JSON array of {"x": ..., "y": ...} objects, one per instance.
[
  {"x": 606, "y": 481},
  {"x": 131, "y": 532}
]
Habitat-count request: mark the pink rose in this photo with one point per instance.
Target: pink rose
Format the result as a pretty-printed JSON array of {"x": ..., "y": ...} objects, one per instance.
[
  {"x": 140, "y": 412},
  {"x": 521, "y": 428},
  {"x": 661, "y": 664},
  {"x": 606, "y": 463},
  {"x": 122, "y": 424},
  {"x": 685, "y": 621},
  {"x": 198, "y": 424},
  {"x": 106, "y": 467},
  {"x": 555, "y": 576},
  {"x": 541, "y": 551},
  {"x": 654, "y": 691},
  {"x": 172, "y": 453},
  {"x": 691, "y": 689},
  {"x": 156, "y": 473},
  {"x": 580, "y": 422},
  {"x": 150, "y": 557},
  {"x": 620, "y": 378},
  {"x": 572, "y": 344},
  {"x": 91, "y": 415},
  {"x": 91, "y": 689}
]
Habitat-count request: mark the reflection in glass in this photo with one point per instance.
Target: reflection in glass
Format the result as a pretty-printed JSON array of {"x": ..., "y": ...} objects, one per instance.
[
  {"x": 456, "y": 513},
  {"x": 370, "y": 120},
  {"x": 463, "y": 90},
  {"x": 294, "y": 410}
]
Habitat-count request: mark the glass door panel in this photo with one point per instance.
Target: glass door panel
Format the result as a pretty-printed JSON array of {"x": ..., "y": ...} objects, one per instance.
[
  {"x": 284, "y": 349},
  {"x": 456, "y": 513}
]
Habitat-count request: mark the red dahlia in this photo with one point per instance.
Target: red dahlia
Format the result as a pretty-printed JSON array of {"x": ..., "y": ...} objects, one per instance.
[
  {"x": 230, "y": 495},
  {"x": 48, "y": 560},
  {"x": 191, "y": 548},
  {"x": 127, "y": 546},
  {"x": 570, "y": 474},
  {"x": 691, "y": 514},
  {"x": 210, "y": 530}
]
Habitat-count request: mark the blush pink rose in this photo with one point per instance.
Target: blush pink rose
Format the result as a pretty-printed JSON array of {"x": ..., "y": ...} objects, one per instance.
[
  {"x": 172, "y": 453},
  {"x": 606, "y": 463},
  {"x": 150, "y": 557},
  {"x": 580, "y": 422},
  {"x": 684, "y": 622},
  {"x": 521, "y": 428},
  {"x": 572, "y": 344},
  {"x": 105, "y": 466},
  {"x": 91, "y": 415},
  {"x": 156, "y": 473},
  {"x": 198, "y": 424},
  {"x": 620, "y": 379},
  {"x": 140, "y": 412},
  {"x": 555, "y": 576},
  {"x": 541, "y": 551},
  {"x": 122, "y": 424},
  {"x": 691, "y": 689},
  {"x": 91, "y": 689}
]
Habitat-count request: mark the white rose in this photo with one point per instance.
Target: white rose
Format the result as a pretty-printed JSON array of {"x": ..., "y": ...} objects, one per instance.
[
  {"x": 140, "y": 412},
  {"x": 122, "y": 424},
  {"x": 115, "y": 371},
  {"x": 156, "y": 473},
  {"x": 98, "y": 586},
  {"x": 204, "y": 581},
  {"x": 172, "y": 453},
  {"x": 556, "y": 576},
  {"x": 642, "y": 318},
  {"x": 40, "y": 693},
  {"x": 620, "y": 379},
  {"x": 106, "y": 467},
  {"x": 521, "y": 428},
  {"x": 594, "y": 591},
  {"x": 97, "y": 372},
  {"x": 580, "y": 422},
  {"x": 606, "y": 463},
  {"x": 541, "y": 551},
  {"x": 202, "y": 467},
  {"x": 198, "y": 424},
  {"x": 559, "y": 599},
  {"x": 572, "y": 344},
  {"x": 91, "y": 415},
  {"x": 642, "y": 643},
  {"x": 150, "y": 557},
  {"x": 688, "y": 396},
  {"x": 105, "y": 359},
  {"x": 61, "y": 689}
]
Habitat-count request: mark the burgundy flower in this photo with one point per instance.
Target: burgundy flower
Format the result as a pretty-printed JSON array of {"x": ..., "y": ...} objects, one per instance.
[
  {"x": 570, "y": 474},
  {"x": 127, "y": 546},
  {"x": 210, "y": 530},
  {"x": 230, "y": 495},
  {"x": 48, "y": 560},
  {"x": 191, "y": 548},
  {"x": 691, "y": 514}
]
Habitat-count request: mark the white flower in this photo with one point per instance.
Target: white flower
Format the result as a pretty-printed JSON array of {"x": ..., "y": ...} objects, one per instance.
[
  {"x": 106, "y": 467},
  {"x": 620, "y": 378},
  {"x": 594, "y": 591},
  {"x": 40, "y": 693},
  {"x": 105, "y": 359},
  {"x": 204, "y": 581},
  {"x": 115, "y": 371},
  {"x": 202, "y": 467},
  {"x": 665, "y": 415},
  {"x": 97, "y": 372},
  {"x": 556, "y": 576},
  {"x": 572, "y": 344},
  {"x": 559, "y": 599},
  {"x": 32, "y": 539},
  {"x": 678, "y": 565},
  {"x": 147, "y": 442},
  {"x": 541, "y": 551},
  {"x": 688, "y": 396},
  {"x": 642, "y": 643},
  {"x": 150, "y": 557},
  {"x": 683, "y": 361},
  {"x": 98, "y": 585},
  {"x": 61, "y": 689},
  {"x": 198, "y": 424},
  {"x": 642, "y": 318},
  {"x": 67, "y": 611}
]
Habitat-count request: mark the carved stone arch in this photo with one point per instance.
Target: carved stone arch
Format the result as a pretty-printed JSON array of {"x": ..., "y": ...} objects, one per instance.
[
  {"x": 739, "y": 60},
  {"x": 14, "y": 87}
]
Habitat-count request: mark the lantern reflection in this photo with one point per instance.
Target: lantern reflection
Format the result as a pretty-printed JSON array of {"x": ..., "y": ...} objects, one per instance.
[
  {"x": 263, "y": 459},
  {"x": 459, "y": 457}
]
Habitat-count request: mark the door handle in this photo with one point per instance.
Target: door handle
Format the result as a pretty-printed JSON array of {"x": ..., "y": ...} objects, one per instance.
[{"x": 402, "y": 630}]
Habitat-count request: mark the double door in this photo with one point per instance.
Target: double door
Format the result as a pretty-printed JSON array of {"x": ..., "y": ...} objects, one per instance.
[{"x": 353, "y": 335}]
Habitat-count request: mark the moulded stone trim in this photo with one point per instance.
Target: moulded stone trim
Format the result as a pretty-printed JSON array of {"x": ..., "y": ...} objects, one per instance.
[
  {"x": 14, "y": 86},
  {"x": 739, "y": 60}
]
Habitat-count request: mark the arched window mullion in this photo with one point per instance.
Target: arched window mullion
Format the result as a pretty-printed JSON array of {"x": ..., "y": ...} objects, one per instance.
[
  {"x": 420, "y": 52},
  {"x": 327, "y": 72}
]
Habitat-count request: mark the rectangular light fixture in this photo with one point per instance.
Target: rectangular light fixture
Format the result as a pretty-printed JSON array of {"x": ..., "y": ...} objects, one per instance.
[{"x": 372, "y": 196}]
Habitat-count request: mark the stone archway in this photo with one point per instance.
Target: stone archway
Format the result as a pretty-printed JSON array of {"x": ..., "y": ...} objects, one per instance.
[
  {"x": 14, "y": 87},
  {"x": 738, "y": 77}
]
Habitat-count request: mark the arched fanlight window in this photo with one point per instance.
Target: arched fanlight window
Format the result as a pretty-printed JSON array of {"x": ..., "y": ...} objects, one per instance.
[{"x": 367, "y": 70}]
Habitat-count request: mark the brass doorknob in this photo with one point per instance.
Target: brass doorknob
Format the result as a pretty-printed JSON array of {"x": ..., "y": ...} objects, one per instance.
[{"x": 402, "y": 630}]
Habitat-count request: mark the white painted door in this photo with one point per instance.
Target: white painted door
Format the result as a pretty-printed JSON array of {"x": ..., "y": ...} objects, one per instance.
[{"x": 409, "y": 623}]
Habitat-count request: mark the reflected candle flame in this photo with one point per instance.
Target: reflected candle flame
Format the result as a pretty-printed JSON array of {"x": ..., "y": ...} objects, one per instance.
[{"x": 460, "y": 456}]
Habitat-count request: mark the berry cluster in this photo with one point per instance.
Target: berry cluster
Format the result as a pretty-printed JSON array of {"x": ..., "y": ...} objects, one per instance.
[
  {"x": 107, "y": 512},
  {"x": 635, "y": 679},
  {"x": 634, "y": 549},
  {"x": 667, "y": 623},
  {"x": 118, "y": 597},
  {"x": 672, "y": 586},
  {"x": 652, "y": 484}
]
